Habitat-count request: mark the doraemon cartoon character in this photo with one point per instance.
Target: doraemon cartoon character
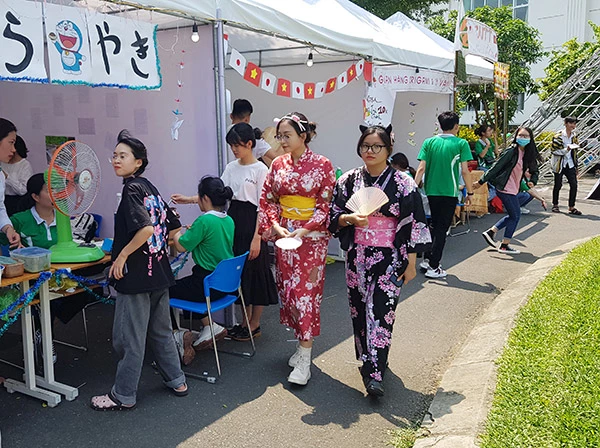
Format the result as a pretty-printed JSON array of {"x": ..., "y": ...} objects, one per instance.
[{"x": 68, "y": 41}]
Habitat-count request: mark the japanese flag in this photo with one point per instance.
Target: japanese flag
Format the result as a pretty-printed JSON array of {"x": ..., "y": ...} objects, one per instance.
[
  {"x": 320, "y": 89},
  {"x": 360, "y": 66},
  {"x": 268, "y": 82},
  {"x": 237, "y": 61},
  {"x": 342, "y": 80},
  {"x": 298, "y": 90}
]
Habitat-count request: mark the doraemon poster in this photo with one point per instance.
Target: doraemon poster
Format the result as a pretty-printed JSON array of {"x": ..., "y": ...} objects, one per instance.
[{"x": 68, "y": 45}]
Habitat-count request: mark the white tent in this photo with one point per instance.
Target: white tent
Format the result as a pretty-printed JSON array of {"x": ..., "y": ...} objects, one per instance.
[
  {"x": 478, "y": 69},
  {"x": 353, "y": 31}
]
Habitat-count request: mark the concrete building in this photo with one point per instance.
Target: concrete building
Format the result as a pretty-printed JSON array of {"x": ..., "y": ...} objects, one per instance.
[{"x": 557, "y": 20}]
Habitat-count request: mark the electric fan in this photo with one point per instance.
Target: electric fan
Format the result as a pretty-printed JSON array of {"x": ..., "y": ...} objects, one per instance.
[{"x": 73, "y": 180}]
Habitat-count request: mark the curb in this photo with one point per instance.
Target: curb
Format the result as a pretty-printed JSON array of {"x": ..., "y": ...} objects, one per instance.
[{"x": 463, "y": 399}]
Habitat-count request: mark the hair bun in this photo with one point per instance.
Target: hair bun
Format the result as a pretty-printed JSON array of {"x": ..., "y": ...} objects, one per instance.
[{"x": 228, "y": 193}]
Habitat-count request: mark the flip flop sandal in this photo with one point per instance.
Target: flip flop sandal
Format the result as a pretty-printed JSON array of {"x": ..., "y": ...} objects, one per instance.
[
  {"x": 106, "y": 400},
  {"x": 555, "y": 209},
  {"x": 574, "y": 212},
  {"x": 180, "y": 393}
]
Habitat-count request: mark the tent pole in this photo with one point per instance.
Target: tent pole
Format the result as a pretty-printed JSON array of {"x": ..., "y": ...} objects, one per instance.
[{"x": 221, "y": 106}]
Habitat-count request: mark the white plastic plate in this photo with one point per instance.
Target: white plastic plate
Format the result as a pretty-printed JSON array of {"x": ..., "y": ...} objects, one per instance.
[{"x": 288, "y": 243}]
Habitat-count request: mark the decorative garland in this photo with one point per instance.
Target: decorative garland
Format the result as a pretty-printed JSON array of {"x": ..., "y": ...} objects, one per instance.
[
  {"x": 83, "y": 282},
  {"x": 293, "y": 89}
]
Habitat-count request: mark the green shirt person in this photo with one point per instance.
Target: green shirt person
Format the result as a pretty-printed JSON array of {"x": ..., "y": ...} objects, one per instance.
[
  {"x": 485, "y": 147},
  {"x": 37, "y": 225}
]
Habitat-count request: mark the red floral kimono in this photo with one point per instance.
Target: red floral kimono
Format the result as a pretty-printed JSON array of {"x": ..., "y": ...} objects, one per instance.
[{"x": 300, "y": 273}]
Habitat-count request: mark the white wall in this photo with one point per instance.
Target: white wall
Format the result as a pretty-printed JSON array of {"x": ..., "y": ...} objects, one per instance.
[
  {"x": 339, "y": 114},
  {"x": 175, "y": 166}
]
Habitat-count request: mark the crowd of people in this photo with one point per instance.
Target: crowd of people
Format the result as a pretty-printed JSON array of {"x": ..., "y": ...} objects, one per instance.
[{"x": 269, "y": 193}]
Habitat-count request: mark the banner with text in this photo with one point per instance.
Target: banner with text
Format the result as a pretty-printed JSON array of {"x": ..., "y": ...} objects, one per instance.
[
  {"x": 22, "y": 42},
  {"x": 378, "y": 106},
  {"x": 408, "y": 80},
  {"x": 478, "y": 38}
]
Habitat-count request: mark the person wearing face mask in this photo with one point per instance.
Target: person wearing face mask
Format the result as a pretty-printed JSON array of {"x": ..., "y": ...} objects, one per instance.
[{"x": 506, "y": 175}]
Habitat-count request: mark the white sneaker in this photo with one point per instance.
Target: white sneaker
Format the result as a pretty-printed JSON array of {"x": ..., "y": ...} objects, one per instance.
[
  {"x": 204, "y": 341},
  {"x": 301, "y": 373},
  {"x": 436, "y": 273},
  {"x": 425, "y": 265},
  {"x": 293, "y": 361},
  {"x": 525, "y": 211},
  {"x": 508, "y": 250}
]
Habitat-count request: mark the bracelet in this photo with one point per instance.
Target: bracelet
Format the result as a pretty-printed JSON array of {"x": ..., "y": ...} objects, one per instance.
[{"x": 470, "y": 194}]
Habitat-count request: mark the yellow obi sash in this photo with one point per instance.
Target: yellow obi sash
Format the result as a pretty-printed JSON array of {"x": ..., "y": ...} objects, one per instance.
[{"x": 297, "y": 207}]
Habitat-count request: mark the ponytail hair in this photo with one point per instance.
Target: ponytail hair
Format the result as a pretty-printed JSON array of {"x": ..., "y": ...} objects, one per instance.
[
  {"x": 214, "y": 188},
  {"x": 138, "y": 149}
]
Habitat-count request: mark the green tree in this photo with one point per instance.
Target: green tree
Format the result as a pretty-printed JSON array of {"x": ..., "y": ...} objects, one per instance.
[
  {"x": 518, "y": 45},
  {"x": 415, "y": 9},
  {"x": 566, "y": 61}
]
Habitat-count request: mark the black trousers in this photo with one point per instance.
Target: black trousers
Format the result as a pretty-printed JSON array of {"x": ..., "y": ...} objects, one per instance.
[
  {"x": 571, "y": 174},
  {"x": 442, "y": 211}
]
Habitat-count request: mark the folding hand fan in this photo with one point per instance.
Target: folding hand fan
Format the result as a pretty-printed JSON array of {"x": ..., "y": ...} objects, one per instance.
[{"x": 367, "y": 200}]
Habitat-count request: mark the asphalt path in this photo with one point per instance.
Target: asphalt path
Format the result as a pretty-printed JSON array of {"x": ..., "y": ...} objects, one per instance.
[{"x": 252, "y": 405}]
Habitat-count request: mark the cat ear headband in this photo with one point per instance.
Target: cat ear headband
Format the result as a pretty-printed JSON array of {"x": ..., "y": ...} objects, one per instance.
[
  {"x": 296, "y": 119},
  {"x": 387, "y": 130}
]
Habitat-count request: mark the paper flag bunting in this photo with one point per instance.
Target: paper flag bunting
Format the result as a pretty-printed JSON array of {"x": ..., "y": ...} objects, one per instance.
[
  {"x": 298, "y": 90},
  {"x": 237, "y": 61},
  {"x": 342, "y": 80},
  {"x": 351, "y": 73},
  {"x": 360, "y": 66},
  {"x": 320, "y": 89},
  {"x": 268, "y": 82},
  {"x": 330, "y": 87},
  {"x": 253, "y": 74},
  {"x": 309, "y": 90},
  {"x": 284, "y": 87}
]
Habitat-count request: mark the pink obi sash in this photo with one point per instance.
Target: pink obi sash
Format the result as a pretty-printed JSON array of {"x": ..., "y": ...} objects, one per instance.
[{"x": 380, "y": 232}]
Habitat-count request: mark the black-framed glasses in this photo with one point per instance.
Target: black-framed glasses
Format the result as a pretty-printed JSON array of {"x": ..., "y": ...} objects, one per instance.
[
  {"x": 375, "y": 149},
  {"x": 282, "y": 138}
]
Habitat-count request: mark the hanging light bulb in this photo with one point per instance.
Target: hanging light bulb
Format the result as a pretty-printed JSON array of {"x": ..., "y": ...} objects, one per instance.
[
  {"x": 195, "y": 35},
  {"x": 309, "y": 61}
]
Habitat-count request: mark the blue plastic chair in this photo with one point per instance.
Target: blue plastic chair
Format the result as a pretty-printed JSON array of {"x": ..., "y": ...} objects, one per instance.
[{"x": 226, "y": 277}]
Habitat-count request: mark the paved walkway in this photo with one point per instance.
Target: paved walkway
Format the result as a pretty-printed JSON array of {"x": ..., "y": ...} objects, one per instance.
[{"x": 252, "y": 405}]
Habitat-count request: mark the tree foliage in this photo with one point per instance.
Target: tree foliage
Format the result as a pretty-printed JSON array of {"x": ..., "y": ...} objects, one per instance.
[
  {"x": 415, "y": 9},
  {"x": 566, "y": 61},
  {"x": 519, "y": 45}
]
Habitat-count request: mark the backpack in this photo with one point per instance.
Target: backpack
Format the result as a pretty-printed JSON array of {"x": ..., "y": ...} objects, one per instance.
[{"x": 84, "y": 227}]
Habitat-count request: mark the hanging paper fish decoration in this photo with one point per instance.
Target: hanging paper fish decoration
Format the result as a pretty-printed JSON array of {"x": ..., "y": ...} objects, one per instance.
[
  {"x": 412, "y": 104},
  {"x": 411, "y": 142},
  {"x": 177, "y": 112},
  {"x": 411, "y": 134}
]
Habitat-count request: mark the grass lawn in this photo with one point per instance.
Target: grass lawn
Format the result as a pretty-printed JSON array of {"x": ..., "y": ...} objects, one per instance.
[{"x": 548, "y": 392}]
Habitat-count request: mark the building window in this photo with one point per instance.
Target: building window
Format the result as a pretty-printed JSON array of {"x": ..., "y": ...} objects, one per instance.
[{"x": 519, "y": 7}]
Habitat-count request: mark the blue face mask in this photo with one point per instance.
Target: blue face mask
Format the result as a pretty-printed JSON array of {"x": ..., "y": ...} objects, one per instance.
[{"x": 523, "y": 141}]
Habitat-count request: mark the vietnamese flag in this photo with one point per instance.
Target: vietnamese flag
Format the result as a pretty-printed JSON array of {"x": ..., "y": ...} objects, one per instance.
[
  {"x": 330, "y": 86},
  {"x": 368, "y": 73},
  {"x": 284, "y": 87},
  {"x": 252, "y": 74},
  {"x": 309, "y": 90},
  {"x": 351, "y": 73}
]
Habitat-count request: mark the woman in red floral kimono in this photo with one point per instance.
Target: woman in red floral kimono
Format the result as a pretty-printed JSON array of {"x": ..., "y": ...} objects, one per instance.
[
  {"x": 295, "y": 204},
  {"x": 381, "y": 247}
]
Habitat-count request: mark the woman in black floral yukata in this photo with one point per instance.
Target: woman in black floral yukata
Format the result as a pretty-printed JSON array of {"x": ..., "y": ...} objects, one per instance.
[{"x": 381, "y": 249}]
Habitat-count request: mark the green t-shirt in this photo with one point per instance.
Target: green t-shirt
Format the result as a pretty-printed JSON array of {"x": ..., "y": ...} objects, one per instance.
[
  {"x": 209, "y": 239},
  {"x": 32, "y": 233},
  {"x": 489, "y": 158},
  {"x": 443, "y": 155}
]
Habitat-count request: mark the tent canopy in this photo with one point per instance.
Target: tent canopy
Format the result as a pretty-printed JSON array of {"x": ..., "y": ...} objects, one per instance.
[
  {"x": 352, "y": 31},
  {"x": 478, "y": 69}
]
